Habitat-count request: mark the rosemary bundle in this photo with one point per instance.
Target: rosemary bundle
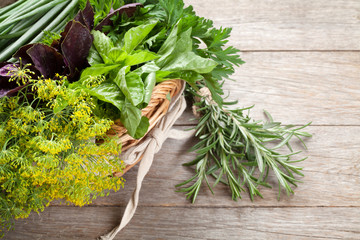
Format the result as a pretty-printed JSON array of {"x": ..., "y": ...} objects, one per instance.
[{"x": 235, "y": 150}]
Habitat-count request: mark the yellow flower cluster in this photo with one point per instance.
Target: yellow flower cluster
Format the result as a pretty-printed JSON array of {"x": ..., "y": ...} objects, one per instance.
[
  {"x": 51, "y": 146},
  {"x": 20, "y": 74},
  {"x": 47, "y": 89},
  {"x": 11, "y": 103},
  {"x": 47, "y": 154},
  {"x": 92, "y": 81}
]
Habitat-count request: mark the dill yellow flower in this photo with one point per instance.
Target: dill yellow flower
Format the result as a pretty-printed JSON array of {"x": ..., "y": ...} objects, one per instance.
[{"x": 47, "y": 154}]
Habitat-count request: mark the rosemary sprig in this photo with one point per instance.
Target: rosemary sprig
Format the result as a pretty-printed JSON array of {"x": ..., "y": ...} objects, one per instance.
[{"x": 235, "y": 151}]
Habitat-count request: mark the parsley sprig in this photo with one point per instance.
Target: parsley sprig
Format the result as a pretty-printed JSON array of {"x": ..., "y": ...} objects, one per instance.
[{"x": 235, "y": 150}]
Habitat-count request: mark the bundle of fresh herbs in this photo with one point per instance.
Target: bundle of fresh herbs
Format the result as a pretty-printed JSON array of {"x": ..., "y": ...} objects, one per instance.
[{"x": 103, "y": 66}]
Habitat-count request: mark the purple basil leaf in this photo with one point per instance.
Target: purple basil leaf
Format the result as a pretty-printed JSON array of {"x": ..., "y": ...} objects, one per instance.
[
  {"x": 5, "y": 67},
  {"x": 88, "y": 15},
  {"x": 80, "y": 18},
  {"x": 47, "y": 60},
  {"x": 22, "y": 53},
  {"x": 5, "y": 85},
  {"x": 8, "y": 88},
  {"x": 13, "y": 92},
  {"x": 57, "y": 44},
  {"x": 3, "y": 93},
  {"x": 75, "y": 48},
  {"x": 129, "y": 9}
]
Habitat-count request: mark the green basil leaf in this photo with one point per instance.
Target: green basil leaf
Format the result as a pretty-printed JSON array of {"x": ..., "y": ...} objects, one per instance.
[
  {"x": 190, "y": 61},
  {"x": 96, "y": 70},
  {"x": 142, "y": 128},
  {"x": 131, "y": 85},
  {"x": 180, "y": 56},
  {"x": 109, "y": 92},
  {"x": 117, "y": 55},
  {"x": 94, "y": 57},
  {"x": 140, "y": 57},
  {"x": 149, "y": 83},
  {"x": 168, "y": 46},
  {"x": 136, "y": 35},
  {"x": 161, "y": 75},
  {"x": 130, "y": 118},
  {"x": 191, "y": 76},
  {"x": 103, "y": 45},
  {"x": 147, "y": 68}
]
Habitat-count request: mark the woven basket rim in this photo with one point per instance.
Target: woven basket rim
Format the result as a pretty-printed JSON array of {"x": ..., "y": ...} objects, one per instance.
[{"x": 157, "y": 108}]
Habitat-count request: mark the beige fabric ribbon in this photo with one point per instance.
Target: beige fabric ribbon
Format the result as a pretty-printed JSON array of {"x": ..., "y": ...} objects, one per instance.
[{"x": 148, "y": 148}]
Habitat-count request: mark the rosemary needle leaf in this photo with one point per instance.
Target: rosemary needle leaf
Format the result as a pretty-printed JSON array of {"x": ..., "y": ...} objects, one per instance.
[{"x": 234, "y": 150}]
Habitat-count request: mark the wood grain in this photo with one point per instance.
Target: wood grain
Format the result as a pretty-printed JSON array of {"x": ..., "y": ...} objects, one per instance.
[
  {"x": 286, "y": 24},
  {"x": 298, "y": 87},
  {"x": 193, "y": 223},
  {"x": 331, "y": 176},
  {"x": 331, "y": 181},
  {"x": 302, "y": 64}
]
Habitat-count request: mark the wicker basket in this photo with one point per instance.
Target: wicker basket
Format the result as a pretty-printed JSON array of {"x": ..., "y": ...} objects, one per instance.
[{"x": 156, "y": 109}]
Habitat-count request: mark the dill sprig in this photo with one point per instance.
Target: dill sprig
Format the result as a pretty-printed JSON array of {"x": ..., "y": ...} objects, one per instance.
[{"x": 235, "y": 150}]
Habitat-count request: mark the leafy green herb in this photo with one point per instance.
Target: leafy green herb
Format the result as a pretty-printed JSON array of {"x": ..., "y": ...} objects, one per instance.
[
  {"x": 179, "y": 26},
  {"x": 49, "y": 37},
  {"x": 235, "y": 151},
  {"x": 136, "y": 35},
  {"x": 101, "y": 7},
  {"x": 125, "y": 89}
]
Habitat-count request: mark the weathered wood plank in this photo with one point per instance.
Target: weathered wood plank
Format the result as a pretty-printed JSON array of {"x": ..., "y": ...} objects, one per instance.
[
  {"x": 285, "y": 24},
  {"x": 193, "y": 223},
  {"x": 331, "y": 176},
  {"x": 298, "y": 87}
]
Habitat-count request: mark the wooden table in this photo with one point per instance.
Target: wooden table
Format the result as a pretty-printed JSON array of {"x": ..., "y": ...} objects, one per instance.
[{"x": 303, "y": 64}]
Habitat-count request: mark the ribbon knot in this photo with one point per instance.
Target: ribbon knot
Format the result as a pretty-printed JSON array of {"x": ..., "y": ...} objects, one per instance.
[{"x": 158, "y": 136}]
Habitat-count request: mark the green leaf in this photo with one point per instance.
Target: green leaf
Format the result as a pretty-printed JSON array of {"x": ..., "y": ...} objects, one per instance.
[
  {"x": 168, "y": 48},
  {"x": 140, "y": 57},
  {"x": 117, "y": 55},
  {"x": 190, "y": 61},
  {"x": 109, "y": 92},
  {"x": 103, "y": 45},
  {"x": 136, "y": 35},
  {"x": 168, "y": 97},
  {"x": 96, "y": 70},
  {"x": 173, "y": 9},
  {"x": 149, "y": 83},
  {"x": 191, "y": 76},
  {"x": 147, "y": 68},
  {"x": 61, "y": 104},
  {"x": 161, "y": 75},
  {"x": 131, "y": 85},
  {"x": 169, "y": 45},
  {"x": 180, "y": 56},
  {"x": 157, "y": 37},
  {"x": 94, "y": 57},
  {"x": 130, "y": 118},
  {"x": 142, "y": 128}
]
